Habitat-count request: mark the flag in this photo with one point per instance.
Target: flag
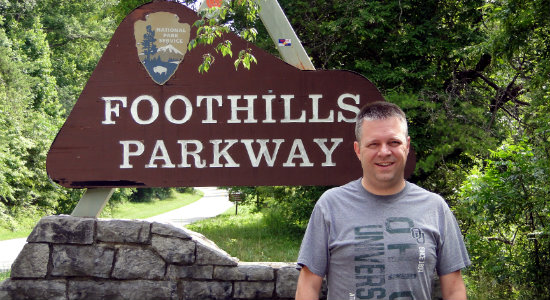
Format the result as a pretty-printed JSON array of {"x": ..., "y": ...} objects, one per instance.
[{"x": 284, "y": 42}]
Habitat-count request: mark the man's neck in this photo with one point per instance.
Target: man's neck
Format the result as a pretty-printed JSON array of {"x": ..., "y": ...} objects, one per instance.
[{"x": 383, "y": 191}]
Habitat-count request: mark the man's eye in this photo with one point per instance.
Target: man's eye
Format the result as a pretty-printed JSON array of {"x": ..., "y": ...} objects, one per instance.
[{"x": 395, "y": 143}]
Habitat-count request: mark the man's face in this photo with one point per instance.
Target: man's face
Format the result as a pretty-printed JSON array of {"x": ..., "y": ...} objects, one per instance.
[{"x": 383, "y": 151}]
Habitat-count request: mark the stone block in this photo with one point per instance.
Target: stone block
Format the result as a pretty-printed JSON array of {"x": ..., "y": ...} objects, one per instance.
[
  {"x": 209, "y": 254},
  {"x": 63, "y": 230},
  {"x": 244, "y": 271},
  {"x": 33, "y": 289},
  {"x": 123, "y": 290},
  {"x": 174, "y": 250},
  {"x": 193, "y": 272},
  {"x": 72, "y": 260},
  {"x": 124, "y": 231},
  {"x": 207, "y": 290},
  {"x": 32, "y": 261},
  {"x": 170, "y": 230},
  {"x": 253, "y": 289},
  {"x": 287, "y": 279},
  {"x": 134, "y": 263}
]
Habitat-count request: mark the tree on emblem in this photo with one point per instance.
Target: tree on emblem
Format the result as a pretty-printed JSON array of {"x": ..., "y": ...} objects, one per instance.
[{"x": 148, "y": 43}]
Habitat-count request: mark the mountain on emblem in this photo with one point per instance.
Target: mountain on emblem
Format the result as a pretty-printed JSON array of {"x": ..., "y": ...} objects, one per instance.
[{"x": 161, "y": 43}]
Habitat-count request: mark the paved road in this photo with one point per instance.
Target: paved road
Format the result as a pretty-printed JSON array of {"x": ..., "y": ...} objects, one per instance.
[
  {"x": 213, "y": 203},
  {"x": 9, "y": 249}
]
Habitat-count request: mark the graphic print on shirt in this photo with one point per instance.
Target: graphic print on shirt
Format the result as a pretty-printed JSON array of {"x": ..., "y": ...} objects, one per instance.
[
  {"x": 420, "y": 239},
  {"x": 374, "y": 254}
]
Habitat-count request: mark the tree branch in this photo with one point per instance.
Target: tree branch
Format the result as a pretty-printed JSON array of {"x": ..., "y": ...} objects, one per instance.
[
  {"x": 489, "y": 82},
  {"x": 502, "y": 240}
]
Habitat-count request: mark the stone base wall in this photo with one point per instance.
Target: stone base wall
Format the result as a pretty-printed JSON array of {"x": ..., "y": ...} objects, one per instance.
[{"x": 85, "y": 258}]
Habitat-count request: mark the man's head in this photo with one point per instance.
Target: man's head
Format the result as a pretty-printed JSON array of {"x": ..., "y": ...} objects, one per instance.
[
  {"x": 377, "y": 111},
  {"x": 382, "y": 146}
]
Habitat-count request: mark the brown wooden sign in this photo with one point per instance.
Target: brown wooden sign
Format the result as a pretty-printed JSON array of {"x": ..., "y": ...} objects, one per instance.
[{"x": 146, "y": 117}]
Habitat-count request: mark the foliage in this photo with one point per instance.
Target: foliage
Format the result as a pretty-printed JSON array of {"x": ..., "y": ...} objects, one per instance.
[
  {"x": 77, "y": 32},
  {"x": 149, "y": 194},
  {"x": 27, "y": 92},
  {"x": 506, "y": 217},
  {"x": 216, "y": 21},
  {"x": 405, "y": 43},
  {"x": 5, "y": 275},
  {"x": 20, "y": 223},
  {"x": 504, "y": 207}
]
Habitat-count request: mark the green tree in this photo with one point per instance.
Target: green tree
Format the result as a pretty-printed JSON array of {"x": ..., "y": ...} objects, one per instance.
[
  {"x": 77, "y": 32},
  {"x": 506, "y": 217},
  {"x": 40, "y": 68},
  {"x": 29, "y": 117},
  {"x": 504, "y": 206}
]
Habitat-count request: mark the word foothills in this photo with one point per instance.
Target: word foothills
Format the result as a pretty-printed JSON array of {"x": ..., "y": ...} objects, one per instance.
[{"x": 247, "y": 105}]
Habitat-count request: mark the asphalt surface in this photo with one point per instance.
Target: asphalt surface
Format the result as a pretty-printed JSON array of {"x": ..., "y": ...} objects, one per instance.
[{"x": 213, "y": 203}]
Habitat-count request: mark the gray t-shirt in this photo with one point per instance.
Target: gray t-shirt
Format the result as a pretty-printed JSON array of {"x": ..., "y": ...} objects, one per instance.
[{"x": 381, "y": 247}]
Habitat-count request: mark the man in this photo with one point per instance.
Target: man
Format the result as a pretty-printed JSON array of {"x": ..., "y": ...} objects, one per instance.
[{"x": 381, "y": 237}]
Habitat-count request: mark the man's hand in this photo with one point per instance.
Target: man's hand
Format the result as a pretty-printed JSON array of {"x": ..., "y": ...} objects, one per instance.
[
  {"x": 309, "y": 285},
  {"x": 452, "y": 286}
]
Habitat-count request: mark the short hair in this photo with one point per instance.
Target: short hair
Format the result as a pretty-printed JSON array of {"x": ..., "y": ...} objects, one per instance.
[{"x": 379, "y": 110}]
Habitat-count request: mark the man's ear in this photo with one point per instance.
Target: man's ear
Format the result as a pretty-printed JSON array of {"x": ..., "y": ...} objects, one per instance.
[
  {"x": 357, "y": 149},
  {"x": 408, "y": 144}
]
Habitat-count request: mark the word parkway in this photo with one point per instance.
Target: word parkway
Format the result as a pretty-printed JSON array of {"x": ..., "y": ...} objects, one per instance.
[{"x": 191, "y": 149}]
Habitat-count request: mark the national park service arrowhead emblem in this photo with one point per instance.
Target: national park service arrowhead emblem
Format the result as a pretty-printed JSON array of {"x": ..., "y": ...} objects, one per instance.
[{"x": 161, "y": 42}]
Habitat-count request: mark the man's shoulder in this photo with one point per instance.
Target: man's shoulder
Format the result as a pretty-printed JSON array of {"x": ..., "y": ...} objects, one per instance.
[
  {"x": 350, "y": 187},
  {"x": 339, "y": 192},
  {"x": 420, "y": 192}
]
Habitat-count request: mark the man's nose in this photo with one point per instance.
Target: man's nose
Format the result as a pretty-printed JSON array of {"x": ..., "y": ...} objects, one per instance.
[{"x": 384, "y": 150}]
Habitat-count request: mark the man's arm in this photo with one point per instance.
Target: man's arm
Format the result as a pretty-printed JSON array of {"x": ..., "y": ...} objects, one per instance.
[
  {"x": 452, "y": 286},
  {"x": 309, "y": 285}
]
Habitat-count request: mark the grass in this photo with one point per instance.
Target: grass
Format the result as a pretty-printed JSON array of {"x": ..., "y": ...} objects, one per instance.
[
  {"x": 143, "y": 210},
  {"x": 19, "y": 229},
  {"x": 127, "y": 210},
  {"x": 253, "y": 236},
  {"x": 4, "y": 275}
]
